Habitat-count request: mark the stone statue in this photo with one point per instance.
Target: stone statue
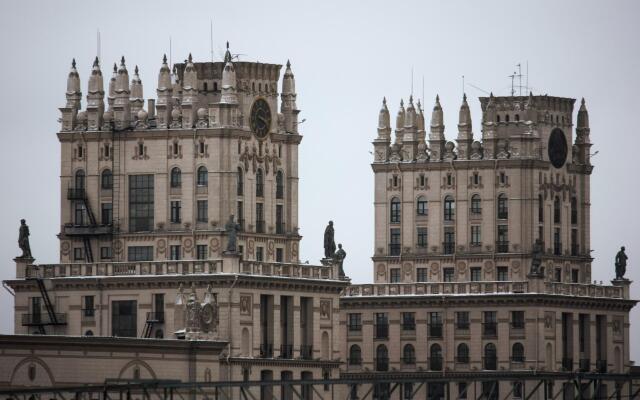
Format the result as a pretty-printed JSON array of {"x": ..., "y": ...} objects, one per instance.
[
  {"x": 339, "y": 256},
  {"x": 194, "y": 310},
  {"x": 621, "y": 263},
  {"x": 329, "y": 244},
  {"x": 536, "y": 259},
  {"x": 232, "y": 234},
  {"x": 23, "y": 240}
]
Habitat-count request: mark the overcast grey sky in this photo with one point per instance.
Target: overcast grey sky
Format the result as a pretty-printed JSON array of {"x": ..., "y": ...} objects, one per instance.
[{"x": 345, "y": 56}]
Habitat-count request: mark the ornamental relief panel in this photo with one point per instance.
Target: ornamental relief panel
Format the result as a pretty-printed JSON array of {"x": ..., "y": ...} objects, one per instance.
[
  {"x": 246, "y": 304},
  {"x": 325, "y": 309}
]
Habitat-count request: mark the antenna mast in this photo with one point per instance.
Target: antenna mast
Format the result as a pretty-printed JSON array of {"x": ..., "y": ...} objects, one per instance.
[
  {"x": 512, "y": 76},
  {"x": 411, "y": 81},
  {"x": 519, "y": 78},
  {"x": 211, "y": 38},
  {"x": 98, "y": 47},
  {"x": 170, "y": 57}
]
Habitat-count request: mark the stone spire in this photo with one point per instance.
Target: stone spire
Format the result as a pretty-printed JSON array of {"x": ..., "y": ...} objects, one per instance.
[
  {"x": 436, "y": 134},
  {"x": 122, "y": 106},
  {"x": 122, "y": 78},
  {"x": 464, "y": 121},
  {"x": 420, "y": 119},
  {"x": 189, "y": 93},
  {"x": 74, "y": 95},
  {"x": 409, "y": 140},
  {"x": 384, "y": 122},
  {"x": 228, "y": 80},
  {"x": 95, "y": 97},
  {"x": 400, "y": 122},
  {"x": 111, "y": 97},
  {"x": 137, "y": 97},
  {"x": 583, "y": 140},
  {"x": 164, "y": 91},
  {"x": 583, "y": 117},
  {"x": 410, "y": 117},
  {"x": 190, "y": 77},
  {"x": 288, "y": 105}
]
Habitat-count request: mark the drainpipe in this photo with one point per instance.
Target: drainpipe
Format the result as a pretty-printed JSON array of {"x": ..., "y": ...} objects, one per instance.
[{"x": 235, "y": 281}]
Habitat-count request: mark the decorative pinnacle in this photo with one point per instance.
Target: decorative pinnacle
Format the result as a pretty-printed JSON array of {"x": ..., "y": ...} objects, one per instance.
[
  {"x": 190, "y": 58},
  {"x": 437, "y": 98},
  {"x": 122, "y": 61},
  {"x": 136, "y": 70},
  {"x": 288, "y": 64},
  {"x": 164, "y": 59},
  {"x": 582, "y": 102},
  {"x": 73, "y": 63},
  {"x": 115, "y": 67},
  {"x": 96, "y": 62},
  {"x": 491, "y": 95},
  {"x": 464, "y": 97},
  {"x": 227, "y": 45},
  {"x": 384, "y": 101},
  {"x": 411, "y": 99},
  {"x": 401, "y": 103}
]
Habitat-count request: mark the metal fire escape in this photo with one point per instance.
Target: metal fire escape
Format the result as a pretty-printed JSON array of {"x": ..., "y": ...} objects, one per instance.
[{"x": 38, "y": 320}]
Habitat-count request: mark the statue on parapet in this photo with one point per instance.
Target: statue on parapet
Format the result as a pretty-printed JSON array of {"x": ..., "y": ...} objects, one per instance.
[
  {"x": 339, "y": 256},
  {"x": 232, "y": 229},
  {"x": 329, "y": 243},
  {"x": 536, "y": 260},
  {"x": 621, "y": 264},
  {"x": 23, "y": 240}
]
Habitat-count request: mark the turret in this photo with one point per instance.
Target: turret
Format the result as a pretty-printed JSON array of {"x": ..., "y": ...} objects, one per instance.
[
  {"x": 189, "y": 93},
  {"x": 465, "y": 132},
  {"x": 420, "y": 123},
  {"x": 121, "y": 106},
  {"x": 95, "y": 97},
  {"x": 111, "y": 97},
  {"x": 384, "y": 123},
  {"x": 436, "y": 135},
  {"x": 164, "y": 91},
  {"x": 137, "y": 98},
  {"x": 288, "y": 106},
  {"x": 583, "y": 140},
  {"x": 73, "y": 96},
  {"x": 228, "y": 80},
  {"x": 409, "y": 141},
  {"x": 400, "y": 123}
]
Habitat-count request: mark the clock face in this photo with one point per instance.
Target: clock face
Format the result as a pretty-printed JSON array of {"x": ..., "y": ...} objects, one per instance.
[
  {"x": 557, "y": 148},
  {"x": 260, "y": 118}
]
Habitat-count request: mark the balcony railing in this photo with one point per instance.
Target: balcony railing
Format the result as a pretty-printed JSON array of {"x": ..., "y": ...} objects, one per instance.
[
  {"x": 601, "y": 366},
  {"x": 517, "y": 359},
  {"x": 286, "y": 351},
  {"x": 266, "y": 350},
  {"x": 435, "y": 330},
  {"x": 502, "y": 214},
  {"x": 381, "y": 363},
  {"x": 43, "y": 319},
  {"x": 584, "y": 364},
  {"x": 86, "y": 230},
  {"x": 502, "y": 246},
  {"x": 448, "y": 247},
  {"x": 354, "y": 361},
  {"x": 435, "y": 363},
  {"x": 408, "y": 361},
  {"x": 394, "y": 249},
  {"x": 475, "y": 211},
  {"x": 355, "y": 329},
  {"x": 155, "y": 316},
  {"x": 567, "y": 364},
  {"x": 306, "y": 352},
  {"x": 88, "y": 313},
  {"x": 76, "y": 194},
  {"x": 381, "y": 331},
  {"x": 489, "y": 329}
]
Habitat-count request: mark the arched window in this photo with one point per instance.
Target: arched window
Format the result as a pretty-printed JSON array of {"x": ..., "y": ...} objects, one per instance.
[
  {"x": 497, "y": 118},
  {"x": 203, "y": 176},
  {"x": 476, "y": 207},
  {"x": 79, "y": 181},
  {"x": 490, "y": 358},
  {"x": 574, "y": 210},
  {"x": 422, "y": 206},
  {"x": 517, "y": 352},
  {"x": 259, "y": 183},
  {"x": 355, "y": 355},
  {"x": 517, "y": 117},
  {"x": 176, "y": 177},
  {"x": 435, "y": 357},
  {"x": 556, "y": 210},
  {"x": 240, "y": 183},
  {"x": 395, "y": 210},
  {"x": 382, "y": 358},
  {"x": 106, "y": 180},
  {"x": 506, "y": 118},
  {"x": 503, "y": 208},
  {"x": 136, "y": 373},
  {"x": 462, "y": 354},
  {"x": 409, "y": 355},
  {"x": 540, "y": 208},
  {"x": 449, "y": 208},
  {"x": 324, "y": 345},
  {"x": 279, "y": 185}
]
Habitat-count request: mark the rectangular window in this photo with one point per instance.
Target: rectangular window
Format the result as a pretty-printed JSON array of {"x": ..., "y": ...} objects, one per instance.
[
  {"x": 140, "y": 203},
  {"x": 462, "y": 320},
  {"x": 279, "y": 254},
  {"x": 140, "y": 253},
  {"x": 408, "y": 321},
  {"x": 106, "y": 253},
  {"x": 435, "y": 324},
  {"x": 158, "y": 305},
  {"x": 203, "y": 211},
  {"x": 574, "y": 242},
  {"x": 174, "y": 252},
  {"x": 124, "y": 318},
  {"x": 240, "y": 215},
  {"x": 422, "y": 274},
  {"x": 502, "y": 273},
  {"x": 558, "y": 275},
  {"x": 517, "y": 319},
  {"x": 502, "y": 246},
  {"x": 175, "y": 211},
  {"x": 476, "y": 274},
  {"x": 449, "y": 243},
  {"x": 354, "y": 322},
  {"x": 107, "y": 214},
  {"x": 280, "y": 220},
  {"x": 381, "y": 326},
  {"x": 201, "y": 252},
  {"x": 79, "y": 214},
  {"x": 394, "y": 243},
  {"x": 557, "y": 245},
  {"x": 88, "y": 308},
  {"x": 259, "y": 218},
  {"x": 259, "y": 253},
  {"x": 78, "y": 254},
  {"x": 575, "y": 274},
  {"x": 475, "y": 235},
  {"x": 422, "y": 237},
  {"x": 490, "y": 323},
  {"x": 448, "y": 274},
  {"x": 394, "y": 275}
]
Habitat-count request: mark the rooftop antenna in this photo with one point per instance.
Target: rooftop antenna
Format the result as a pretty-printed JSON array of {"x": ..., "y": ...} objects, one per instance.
[
  {"x": 519, "y": 78},
  {"x": 411, "y": 81},
  {"x": 512, "y": 76},
  {"x": 98, "y": 46},
  {"x": 527, "y": 76},
  {"x": 463, "y": 85},
  {"x": 211, "y": 37},
  {"x": 477, "y": 88},
  {"x": 170, "y": 56},
  {"x": 422, "y": 90}
]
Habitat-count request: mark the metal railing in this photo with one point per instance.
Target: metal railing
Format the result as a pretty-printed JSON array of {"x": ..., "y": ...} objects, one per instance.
[
  {"x": 260, "y": 227},
  {"x": 557, "y": 249},
  {"x": 76, "y": 194},
  {"x": 286, "y": 351},
  {"x": 567, "y": 364},
  {"x": 462, "y": 325},
  {"x": 584, "y": 364},
  {"x": 601, "y": 366},
  {"x": 394, "y": 249},
  {"x": 306, "y": 351},
  {"x": 448, "y": 247},
  {"x": 408, "y": 326},
  {"x": 43, "y": 319},
  {"x": 435, "y": 363},
  {"x": 502, "y": 246},
  {"x": 266, "y": 350},
  {"x": 435, "y": 330},
  {"x": 381, "y": 363},
  {"x": 280, "y": 228},
  {"x": 490, "y": 363},
  {"x": 155, "y": 316},
  {"x": 575, "y": 250}
]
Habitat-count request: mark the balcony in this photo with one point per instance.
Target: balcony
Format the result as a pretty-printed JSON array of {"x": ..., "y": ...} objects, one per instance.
[
  {"x": 490, "y": 329},
  {"x": 259, "y": 226},
  {"x": 381, "y": 363},
  {"x": 43, "y": 319},
  {"x": 76, "y": 194},
  {"x": 286, "y": 351},
  {"x": 306, "y": 352},
  {"x": 394, "y": 249},
  {"x": 435, "y": 363},
  {"x": 435, "y": 330},
  {"x": 87, "y": 230},
  {"x": 156, "y": 317},
  {"x": 567, "y": 364},
  {"x": 448, "y": 247},
  {"x": 502, "y": 246},
  {"x": 381, "y": 331},
  {"x": 584, "y": 364},
  {"x": 280, "y": 228},
  {"x": 601, "y": 366},
  {"x": 266, "y": 350},
  {"x": 490, "y": 363}
]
